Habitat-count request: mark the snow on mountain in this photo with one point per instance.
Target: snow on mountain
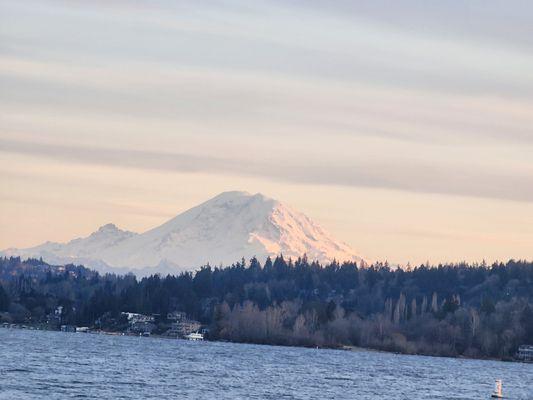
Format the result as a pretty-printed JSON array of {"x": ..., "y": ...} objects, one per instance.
[
  {"x": 222, "y": 230},
  {"x": 85, "y": 251}
]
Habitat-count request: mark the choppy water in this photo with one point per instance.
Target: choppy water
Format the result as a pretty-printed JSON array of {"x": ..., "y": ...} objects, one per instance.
[{"x": 56, "y": 365}]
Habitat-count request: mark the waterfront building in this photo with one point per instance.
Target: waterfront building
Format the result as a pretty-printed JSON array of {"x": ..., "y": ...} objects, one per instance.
[{"x": 525, "y": 353}]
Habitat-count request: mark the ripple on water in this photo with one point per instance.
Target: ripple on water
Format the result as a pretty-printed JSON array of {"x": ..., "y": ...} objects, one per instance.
[{"x": 36, "y": 364}]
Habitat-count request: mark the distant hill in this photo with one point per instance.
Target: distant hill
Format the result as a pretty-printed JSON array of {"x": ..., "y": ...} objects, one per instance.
[
  {"x": 453, "y": 310},
  {"x": 12, "y": 268}
]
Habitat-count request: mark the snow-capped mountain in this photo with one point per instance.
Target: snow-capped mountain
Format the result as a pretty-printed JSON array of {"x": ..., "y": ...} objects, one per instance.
[
  {"x": 87, "y": 251},
  {"x": 222, "y": 230}
]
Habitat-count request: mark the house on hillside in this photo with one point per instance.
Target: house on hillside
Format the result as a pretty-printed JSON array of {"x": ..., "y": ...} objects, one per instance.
[
  {"x": 68, "y": 328},
  {"x": 187, "y": 327},
  {"x": 184, "y": 327},
  {"x": 142, "y": 328},
  {"x": 140, "y": 323},
  {"x": 525, "y": 353},
  {"x": 135, "y": 318},
  {"x": 176, "y": 316}
]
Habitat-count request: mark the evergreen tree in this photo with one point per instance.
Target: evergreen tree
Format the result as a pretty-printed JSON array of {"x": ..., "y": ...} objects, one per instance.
[{"x": 4, "y": 299}]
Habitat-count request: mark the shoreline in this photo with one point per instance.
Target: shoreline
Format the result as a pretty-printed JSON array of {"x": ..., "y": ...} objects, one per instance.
[{"x": 347, "y": 348}]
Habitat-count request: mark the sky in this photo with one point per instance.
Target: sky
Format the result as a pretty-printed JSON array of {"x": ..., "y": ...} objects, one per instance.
[{"x": 403, "y": 128}]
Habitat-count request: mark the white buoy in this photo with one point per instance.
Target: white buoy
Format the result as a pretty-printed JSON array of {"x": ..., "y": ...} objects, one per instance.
[{"x": 498, "y": 390}]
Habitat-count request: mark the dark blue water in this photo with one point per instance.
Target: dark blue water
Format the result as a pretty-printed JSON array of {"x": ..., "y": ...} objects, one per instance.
[{"x": 56, "y": 365}]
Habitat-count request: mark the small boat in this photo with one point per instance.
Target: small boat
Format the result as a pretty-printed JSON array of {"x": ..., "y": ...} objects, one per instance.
[
  {"x": 497, "y": 394},
  {"x": 194, "y": 336}
]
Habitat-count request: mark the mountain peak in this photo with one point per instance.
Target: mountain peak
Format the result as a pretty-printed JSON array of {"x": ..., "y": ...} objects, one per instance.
[
  {"x": 109, "y": 228},
  {"x": 236, "y": 195},
  {"x": 110, "y": 231},
  {"x": 232, "y": 194}
]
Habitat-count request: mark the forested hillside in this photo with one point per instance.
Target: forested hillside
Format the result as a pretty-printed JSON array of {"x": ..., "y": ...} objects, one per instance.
[{"x": 471, "y": 310}]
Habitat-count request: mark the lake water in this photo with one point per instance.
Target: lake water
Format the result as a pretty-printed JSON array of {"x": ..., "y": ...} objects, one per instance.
[{"x": 57, "y": 365}]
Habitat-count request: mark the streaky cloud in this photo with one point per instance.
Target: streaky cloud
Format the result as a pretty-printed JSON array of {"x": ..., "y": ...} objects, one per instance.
[{"x": 413, "y": 176}]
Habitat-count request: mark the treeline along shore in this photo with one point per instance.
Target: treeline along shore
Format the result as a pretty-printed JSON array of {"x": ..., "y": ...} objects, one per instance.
[{"x": 446, "y": 310}]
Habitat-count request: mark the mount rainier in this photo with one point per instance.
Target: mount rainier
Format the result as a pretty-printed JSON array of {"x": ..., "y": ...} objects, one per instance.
[{"x": 222, "y": 230}]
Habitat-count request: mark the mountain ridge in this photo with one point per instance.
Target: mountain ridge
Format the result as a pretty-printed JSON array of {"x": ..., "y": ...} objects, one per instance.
[{"x": 220, "y": 230}]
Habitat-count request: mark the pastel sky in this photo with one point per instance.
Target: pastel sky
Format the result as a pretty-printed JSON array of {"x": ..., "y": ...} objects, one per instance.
[{"x": 404, "y": 128}]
